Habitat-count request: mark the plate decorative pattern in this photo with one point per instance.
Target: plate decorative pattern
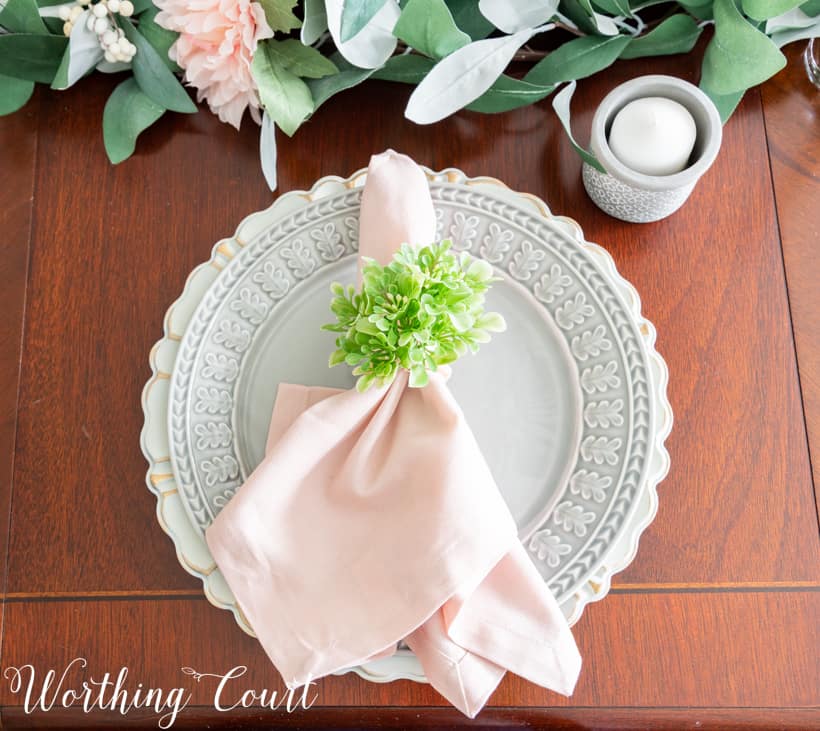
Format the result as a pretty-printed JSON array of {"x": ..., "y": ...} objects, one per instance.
[{"x": 189, "y": 435}]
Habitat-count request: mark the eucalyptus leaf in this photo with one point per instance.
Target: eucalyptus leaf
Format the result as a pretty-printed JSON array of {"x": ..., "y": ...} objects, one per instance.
[
  {"x": 677, "y": 34},
  {"x": 267, "y": 150},
  {"x": 104, "y": 67},
  {"x": 279, "y": 14},
  {"x": 356, "y": 14},
  {"x": 765, "y": 9},
  {"x": 374, "y": 43},
  {"x": 468, "y": 18},
  {"x": 160, "y": 38},
  {"x": 315, "y": 21},
  {"x": 614, "y": 7},
  {"x": 428, "y": 26},
  {"x": 286, "y": 98},
  {"x": 725, "y": 103},
  {"x": 508, "y": 93},
  {"x": 54, "y": 25},
  {"x": 605, "y": 25},
  {"x": 463, "y": 76},
  {"x": 738, "y": 56},
  {"x": 794, "y": 18},
  {"x": 153, "y": 76},
  {"x": 560, "y": 103},
  {"x": 349, "y": 75},
  {"x": 577, "y": 59},
  {"x": 22, "y": 16},
  {"x": 14, "y": 93},
  {"x": 299, "y": 59},
  {"x": 579, "y": 15},
  {"x": 30, "y": 56},
  {"x": 700, "y": 9},
  {"x": 52, "y": 12},
  {"x": 82, "y": 55},
  {"x": 408, "y": 69},
  {"x": 127, "y": 113},
  {"x": 784, "y": 37},
  {"x": 512, "y": 16}
]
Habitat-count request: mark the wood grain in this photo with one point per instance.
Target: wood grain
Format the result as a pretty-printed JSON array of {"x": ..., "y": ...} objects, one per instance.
[
  {"x": 717, "y": 618},
  {"x": 18, "y": 154},
  {"x": 708, "y": 651},
  {"x": 108, "y": 260},
  {"x": 791, "y": 108}
]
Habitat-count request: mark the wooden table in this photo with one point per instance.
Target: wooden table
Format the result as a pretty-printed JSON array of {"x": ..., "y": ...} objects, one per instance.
[{"x": 715, "y": 624}]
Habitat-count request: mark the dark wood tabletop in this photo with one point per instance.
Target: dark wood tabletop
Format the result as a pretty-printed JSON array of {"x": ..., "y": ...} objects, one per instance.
[{"x": 714, "y": 625}]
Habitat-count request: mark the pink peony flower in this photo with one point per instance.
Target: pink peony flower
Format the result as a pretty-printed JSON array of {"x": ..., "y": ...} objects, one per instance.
[{"x": 216, "y": 44}]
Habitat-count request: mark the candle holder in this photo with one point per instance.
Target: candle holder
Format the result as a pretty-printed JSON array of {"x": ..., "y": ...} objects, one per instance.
[{"x": 635, "y": 197}]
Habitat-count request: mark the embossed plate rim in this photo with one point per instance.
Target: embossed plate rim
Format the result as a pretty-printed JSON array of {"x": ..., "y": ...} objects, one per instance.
[{"x": 190, "y": 550}]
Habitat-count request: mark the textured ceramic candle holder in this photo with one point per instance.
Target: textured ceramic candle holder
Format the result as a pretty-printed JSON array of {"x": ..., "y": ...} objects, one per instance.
[{"x": 632, "y": 196}]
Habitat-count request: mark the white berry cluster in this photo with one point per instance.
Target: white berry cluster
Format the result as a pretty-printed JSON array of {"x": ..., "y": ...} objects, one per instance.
[{"x": 101, "y": 20}]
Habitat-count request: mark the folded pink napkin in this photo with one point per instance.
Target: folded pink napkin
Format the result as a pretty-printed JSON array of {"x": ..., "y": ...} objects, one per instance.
[{"x": 373, "y": 518}]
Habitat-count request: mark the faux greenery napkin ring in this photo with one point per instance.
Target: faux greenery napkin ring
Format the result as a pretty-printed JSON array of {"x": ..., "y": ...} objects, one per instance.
[{"x": 423, "y": 310}]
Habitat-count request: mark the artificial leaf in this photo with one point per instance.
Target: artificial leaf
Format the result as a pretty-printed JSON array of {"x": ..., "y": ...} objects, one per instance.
[
  {"x": 428, "y": 26},
  {"x": 699, "y": 8},
  {"x": 765, "y": 9},
  {"x": 160, "y": 38},
  {"x": 812, "y": 7},
  {"x": 433, "y": 312},
  {"x": 577, "y": 59},
  {"x": 560, "y": 104},
  {"x": 738, "y": 56},
  {"x": 286, "y": 98},
  {"x": 408, "y": 69},
  {"x": 372, "y": 45},
  {"x": 22, "y": 16},
  {"x": 279, "y": 14},
  {"x": 356, "y": 14},
  {"x": 508, "y": 93},
  {"x": 153, "y": 76},
  {"x": 605, "y": 25},
  {"x": 725, "y": 103},
  {"x": 601, "y": 23},
  {"x": 463, "y": 76},
  {"x": 302, "y": 60},
  {"x": 614, "y": 7},
  {"x": 315, "y": 22},
  {"x": 14, "y": 93},
  {"x": 322, "y": 89},
  {"x": 54, "y": 25},
  {"x": 105, "y": 67},
  {"x": 31, "y": 56},
  {"x": 140, "y": 6},
  {"x": 82, "y": 55},
  {"x": 794, "y": 18},
  {"x": 468, "y": 18},
  {"x": 512, "y": 16},
  {"x": 783, "y": 37},
  {"x": 677, "y": 34},
  {"x": 127, "y": 113},
  {"x": 267, "y": 150},
  {"x": 578, "y": 15}
]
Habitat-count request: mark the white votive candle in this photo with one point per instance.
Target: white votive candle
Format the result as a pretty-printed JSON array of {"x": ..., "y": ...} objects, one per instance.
[{"x": 653, "y": 136}]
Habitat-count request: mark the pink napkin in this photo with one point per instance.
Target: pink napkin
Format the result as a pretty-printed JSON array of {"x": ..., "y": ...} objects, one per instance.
[{"x": 373, "y": 518}]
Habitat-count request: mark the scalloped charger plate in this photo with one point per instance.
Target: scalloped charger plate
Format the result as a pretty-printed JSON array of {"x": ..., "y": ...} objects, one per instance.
[{"x": 568, "y": 405}]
